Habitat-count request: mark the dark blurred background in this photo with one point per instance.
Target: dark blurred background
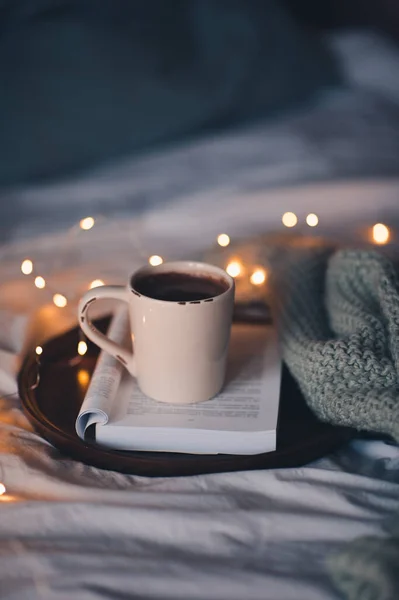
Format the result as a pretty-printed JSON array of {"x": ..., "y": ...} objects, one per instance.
[
  {"x": 380, "y": 15},
  {"x": 83, "y": 82}
]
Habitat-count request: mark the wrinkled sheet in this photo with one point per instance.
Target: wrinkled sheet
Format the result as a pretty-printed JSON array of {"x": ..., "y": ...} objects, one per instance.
[{"x": 68, "y": 530}]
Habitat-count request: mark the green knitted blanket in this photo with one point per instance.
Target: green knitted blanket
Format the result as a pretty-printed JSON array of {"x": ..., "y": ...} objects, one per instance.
[{"x": 338, "y": 319}]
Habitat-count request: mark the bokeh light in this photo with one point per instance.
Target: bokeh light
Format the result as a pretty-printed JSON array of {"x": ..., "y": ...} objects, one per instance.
[
  {"x": 289, "y": 219},
  {"x": 312, "y": 220},
  {"x": 83, "y": 378},
  {"x": 60, "y": 300},
  {"x": 155, "y": 260},
  {"x": 27, "y": 267},
  {"x": 380, "y": 233},
  {"x": 223, "y": 240},
  {"x": 82, "y": 348},
  {"x": 96, "y": 283},
  {"x": 234, "y": 268},
  {"x": 86, "y": 223},
  {"x": 40, "y": 282},
  {"x": 258, "y": 277}
]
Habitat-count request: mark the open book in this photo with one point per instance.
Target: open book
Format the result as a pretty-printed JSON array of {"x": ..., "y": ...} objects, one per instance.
[{"x": 242, "y": 419}]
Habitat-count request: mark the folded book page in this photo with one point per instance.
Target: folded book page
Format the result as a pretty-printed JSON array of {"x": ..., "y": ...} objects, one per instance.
[{"x": 105, "y": 380}]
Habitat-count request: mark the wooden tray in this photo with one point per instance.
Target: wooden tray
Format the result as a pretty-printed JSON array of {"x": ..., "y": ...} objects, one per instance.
[{"x": 52, "y": 392}]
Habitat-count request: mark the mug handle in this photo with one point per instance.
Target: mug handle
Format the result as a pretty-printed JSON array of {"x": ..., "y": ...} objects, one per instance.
[{"x": 109, "y": 292}]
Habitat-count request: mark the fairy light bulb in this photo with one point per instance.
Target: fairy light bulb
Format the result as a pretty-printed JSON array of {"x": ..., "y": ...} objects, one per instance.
[
  {"x": 2, "y": 489},
  {"x": 27, "y": 267},
  {"x": 39, "y": 350},
  {"x": 83, "y": 377},
  {"x": 82, "y": 348},
  {"x": 60, "y": 300},
  {"x": 258, "y": 277},
  {"x": 234, "y": 268},
  {"x": 380, "y": 233},
  {"x": 40, "y": 282},
  {"x": 96, "y": 283},
  {"x": 289, "y": 219},
  {"x": 86, "y": 223},
  {"x": 312, "y": 220},
  {"x": 223, "y": 240},
  {"x": 155, "y": 260}
]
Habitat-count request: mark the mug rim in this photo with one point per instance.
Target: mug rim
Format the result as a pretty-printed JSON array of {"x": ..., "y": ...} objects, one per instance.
[{"x": 183, "y": 266}]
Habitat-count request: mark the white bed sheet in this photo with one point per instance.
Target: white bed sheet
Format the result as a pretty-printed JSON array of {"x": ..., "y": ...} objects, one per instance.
[
  {"x": 71, "y": 531},
  {"x": 68, "y": 530}
]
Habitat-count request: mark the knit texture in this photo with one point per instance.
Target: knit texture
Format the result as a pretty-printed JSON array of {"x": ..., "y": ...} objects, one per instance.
[
  {"x": 338, "y": 319},
  {"x": 337, "y": 315}
]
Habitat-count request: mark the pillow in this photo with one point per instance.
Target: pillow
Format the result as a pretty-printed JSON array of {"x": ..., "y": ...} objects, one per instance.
[{"x": 85, "y": 81}]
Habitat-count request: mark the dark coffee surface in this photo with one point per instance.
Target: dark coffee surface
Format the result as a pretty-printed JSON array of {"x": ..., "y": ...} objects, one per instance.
[{"x": 180, "y": 287}]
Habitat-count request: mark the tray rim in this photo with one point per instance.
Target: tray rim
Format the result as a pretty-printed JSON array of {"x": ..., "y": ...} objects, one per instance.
[{"x": 71, "y": 445}]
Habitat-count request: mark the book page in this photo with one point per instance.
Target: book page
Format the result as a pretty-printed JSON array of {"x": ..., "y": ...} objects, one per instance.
[
  {"x": 105, "y": 380},
  {"x": 248, "y": 402}
]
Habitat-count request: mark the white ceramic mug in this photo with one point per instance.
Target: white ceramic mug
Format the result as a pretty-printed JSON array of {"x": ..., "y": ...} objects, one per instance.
[{"x": 179, "y": 348}]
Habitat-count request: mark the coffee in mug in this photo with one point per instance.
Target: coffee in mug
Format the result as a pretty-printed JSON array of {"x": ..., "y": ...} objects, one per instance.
[
  {"x": 179, "y": 287},
  {"x": 180, "y": 320}
]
